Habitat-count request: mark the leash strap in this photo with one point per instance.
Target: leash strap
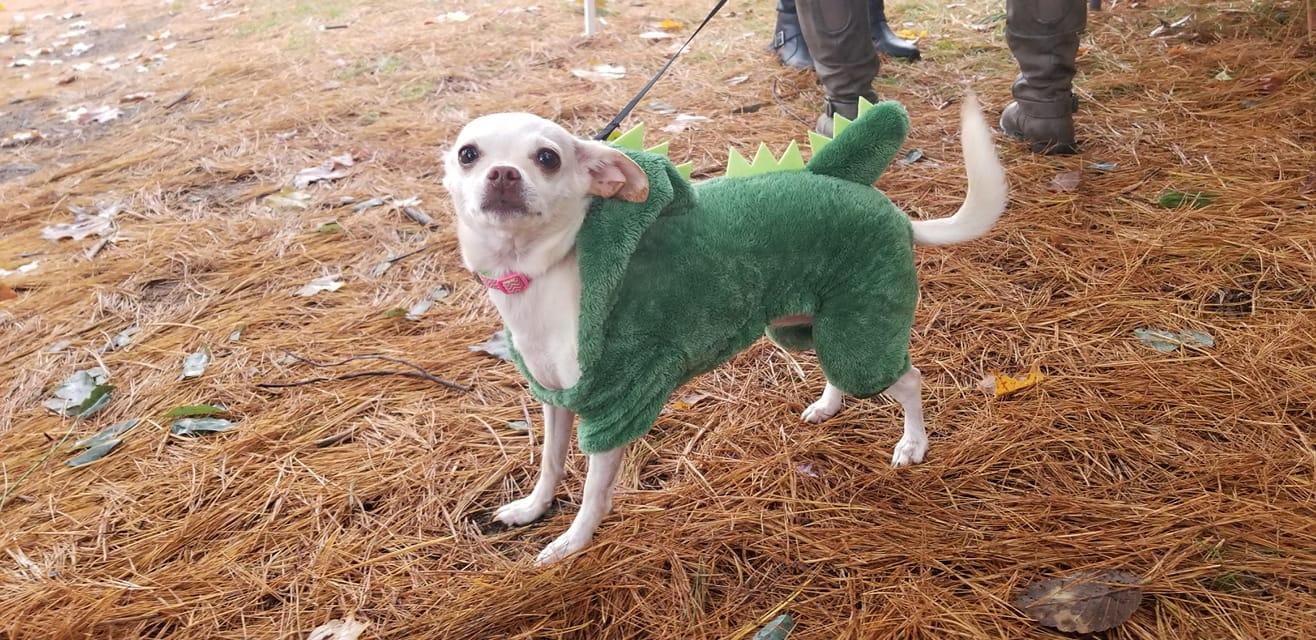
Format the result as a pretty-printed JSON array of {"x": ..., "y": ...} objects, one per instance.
[{"x": 625, "y": 111}]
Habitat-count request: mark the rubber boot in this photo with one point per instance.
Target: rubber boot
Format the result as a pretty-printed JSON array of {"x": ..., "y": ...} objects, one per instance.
[
  {"x": 787, "y": 40},
  {"x": 843, "y": 54},
  {"x": 1043, "y": 36},
  {"x": 886, "y": 40}
]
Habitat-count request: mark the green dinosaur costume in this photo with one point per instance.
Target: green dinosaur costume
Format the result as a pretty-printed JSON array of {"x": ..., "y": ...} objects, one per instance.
[{"x": 673, "y": 286}]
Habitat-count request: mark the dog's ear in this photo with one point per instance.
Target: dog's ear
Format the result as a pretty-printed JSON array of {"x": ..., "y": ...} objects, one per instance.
[{"x": 612, "y": 173}]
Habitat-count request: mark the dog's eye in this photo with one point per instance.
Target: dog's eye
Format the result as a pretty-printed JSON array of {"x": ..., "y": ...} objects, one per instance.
[
  {"x": 548, "y": 159},
  {"x": 468, "y": 154}
]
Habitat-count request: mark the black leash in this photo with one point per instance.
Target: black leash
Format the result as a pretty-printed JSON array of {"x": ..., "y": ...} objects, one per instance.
[{"x": 625, "y": 111}]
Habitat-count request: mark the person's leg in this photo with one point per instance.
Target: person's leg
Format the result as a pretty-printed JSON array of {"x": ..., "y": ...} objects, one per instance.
[
  {"x": 843, "y": 54},
  {"x": 886, "y": 40},
  {"x": 787, "y": 40},
  {"x": 1043, "y": 36}
]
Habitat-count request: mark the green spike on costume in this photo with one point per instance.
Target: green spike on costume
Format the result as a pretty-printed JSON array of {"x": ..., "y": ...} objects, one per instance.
[{"x": 673, "y": 286}]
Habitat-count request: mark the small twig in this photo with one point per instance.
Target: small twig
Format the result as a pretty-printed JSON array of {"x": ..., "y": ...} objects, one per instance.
[
  {"x": 173, "y": 103},
  {"x": 419, "y": 373},
  {"x": 411, "y": 253},
  {"x": 781, "y": 103}
]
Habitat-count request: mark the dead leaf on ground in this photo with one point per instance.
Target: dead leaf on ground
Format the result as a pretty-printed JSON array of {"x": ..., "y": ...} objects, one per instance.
[
  {"x": 1001, "y": 385},
  {"x": 496, "y": 346},
  {"x": 347, "y": 629},
  {"x": 669, "y": 24},
  {"x": 323, "y": 283},
  {"x": 85, "y": 223},
  {"x": 7, "y": 293},
  {"x": 288, "y": 198},
  {"x": 1086, "y": 602},
  {"x": 1067, "y": 181},
  {"x": 136, "y": 97},
  {"x": 23, "y": 268},
  {"x": 100, "y": 115},
  {"x": 682, "y": 122},
  {"x": 600, "y": 73},
  {"x": 21, "y": 137},
  {"x": 332, "y": 169}
]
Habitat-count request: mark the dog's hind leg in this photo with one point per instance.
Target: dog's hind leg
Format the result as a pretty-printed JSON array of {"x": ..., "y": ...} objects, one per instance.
[
  {"x": 913, "y": 445},
  {"x": 596, "y": 504},
  {"x": 553, "y": 458}
]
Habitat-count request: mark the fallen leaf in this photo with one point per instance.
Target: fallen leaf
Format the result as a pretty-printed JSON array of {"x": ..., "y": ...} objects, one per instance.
[
  {"x": 347, "y": 629},
  {"x": 1269, "y": 83},
  {"x": 123, "y": 338},
  {"x": 85, "y": 223},
  {"x": 1067, "y": 181},
  {"x": 913, "y": 156},
  {"x": 1166, "y": 341},
  {"x": 395, "y": 312},
  {"x": 682, "y": 122},
  {"x": 194, "y": 365},
  {"x": 451, "y": 16},
  {"x": 331, "y": 169},
  {"x": 1224, "y": 76},
  {"x": 100, "y": 115},
  {"x": 101, "y": 444},
  {"x": 416, "y": 214},
  {"x": 496, "y": 346},
  {"x": 1194, "y": 200},
  {"x": 187, "y": 427},
  {"x": 600, "y": 73},
  {"x": 1103, "y": 166},
  {"x": 1171, "y": 28},
  {"x": 419, "y": 309},
  {"x": 1003, "y": 385},
  {"x": 689, "y": 400},
  {"x": 192, "y": 410},
  {"x": 237, "y": 333},
  {"x": 733, "y": 81},
  {"x": 329, "y": 227},
  {"x": 911, "y": 35},
  {"x": 80, "y": 393},
  {"x": 7, "y": 293},
  {"x": 323, "y": 283},
  {"x": 367, "y": 204},
  {"x": 518, "y": 425},
  {"x": 806, "y": 469},
  {"x": 288, "y": 198},
  {"x": 136, "y": 97},
  {"x": 660, "y": 107},
  {"x": 1086, "y": 602},
  {"x": 21, "y": 137},
  {"x": 23, "y": 268},
  {"x": 777, "y": 629},
  {"x": 669, "y": 24},
  {"x": 104, "y": 435},
  {"x": 94, "y": 453}
]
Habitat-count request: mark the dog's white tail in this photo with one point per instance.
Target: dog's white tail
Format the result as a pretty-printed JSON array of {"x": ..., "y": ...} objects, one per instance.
[{"x": 986, "y": 197}]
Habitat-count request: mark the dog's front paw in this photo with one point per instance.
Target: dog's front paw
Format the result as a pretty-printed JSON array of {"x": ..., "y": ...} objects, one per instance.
[
  {"x": 821, "y": 410},
  {"x": 566, "y": 545},
  {"x": 519, "y": 512},
  {"x": 909, "y": 451}
]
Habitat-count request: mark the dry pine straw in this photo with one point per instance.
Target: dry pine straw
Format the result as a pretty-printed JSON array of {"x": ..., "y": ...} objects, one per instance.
[{"x": 1193, "y": 470}]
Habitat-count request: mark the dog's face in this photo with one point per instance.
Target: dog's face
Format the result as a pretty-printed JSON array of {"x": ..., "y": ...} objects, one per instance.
[{"x": 517, "y": 170}]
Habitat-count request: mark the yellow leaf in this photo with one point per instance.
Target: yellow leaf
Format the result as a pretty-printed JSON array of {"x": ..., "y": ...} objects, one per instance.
[
  {"x": 910, "y": 34},
  {"x": 1005, "y": 385},
  {"x": 669, "y": 24}
]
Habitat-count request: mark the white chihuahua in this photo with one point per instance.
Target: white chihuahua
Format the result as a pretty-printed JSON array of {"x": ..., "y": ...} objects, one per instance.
[{"x": 521, "y": 187}]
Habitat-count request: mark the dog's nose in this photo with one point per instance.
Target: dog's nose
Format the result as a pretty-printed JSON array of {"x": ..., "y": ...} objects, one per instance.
[{"x": 504, "y": 176}]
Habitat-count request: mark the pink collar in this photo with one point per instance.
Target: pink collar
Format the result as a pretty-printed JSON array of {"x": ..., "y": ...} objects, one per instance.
[{"x": 509, "y": 283}]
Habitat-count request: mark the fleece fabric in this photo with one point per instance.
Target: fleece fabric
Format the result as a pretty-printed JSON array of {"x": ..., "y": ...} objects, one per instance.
[{"x": 678, "y": 284}]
